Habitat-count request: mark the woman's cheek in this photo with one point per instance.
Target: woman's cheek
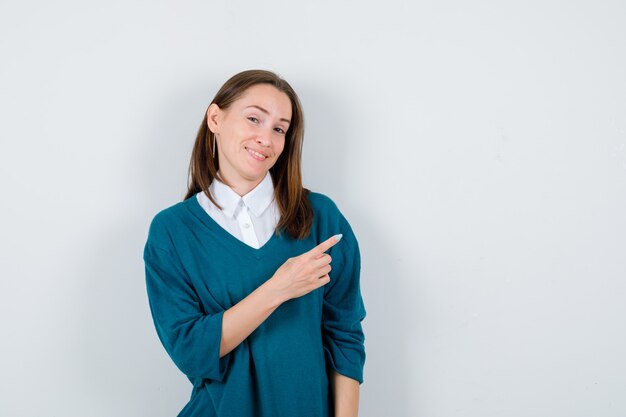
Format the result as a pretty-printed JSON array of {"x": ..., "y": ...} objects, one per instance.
[{"x": 282, "y": 145}]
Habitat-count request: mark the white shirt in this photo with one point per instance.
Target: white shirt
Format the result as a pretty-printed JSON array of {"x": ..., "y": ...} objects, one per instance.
[{"x": 251, "y": 218}]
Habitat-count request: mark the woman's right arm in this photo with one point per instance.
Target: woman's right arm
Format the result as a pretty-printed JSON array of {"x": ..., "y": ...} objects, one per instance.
[{"x": 296, "y": 277}]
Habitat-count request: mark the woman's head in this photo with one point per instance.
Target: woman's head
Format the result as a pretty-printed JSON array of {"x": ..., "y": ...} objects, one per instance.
[
  {"x": 234, "y": 123},
  {"x": 250, "y": 134}
]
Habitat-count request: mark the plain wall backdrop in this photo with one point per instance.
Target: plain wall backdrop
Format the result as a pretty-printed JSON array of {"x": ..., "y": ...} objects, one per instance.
[{"x": 478, "y": 150}]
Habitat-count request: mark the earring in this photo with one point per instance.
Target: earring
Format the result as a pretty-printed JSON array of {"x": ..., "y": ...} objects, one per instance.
[{"x": 214, "y": 141}]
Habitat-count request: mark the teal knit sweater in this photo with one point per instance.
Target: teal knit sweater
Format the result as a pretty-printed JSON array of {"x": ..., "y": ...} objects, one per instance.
[{"x": 195, "y": 270}]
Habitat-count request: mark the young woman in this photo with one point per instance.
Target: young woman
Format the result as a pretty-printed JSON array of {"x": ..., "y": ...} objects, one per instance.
[{"x": 239, "y": 276}]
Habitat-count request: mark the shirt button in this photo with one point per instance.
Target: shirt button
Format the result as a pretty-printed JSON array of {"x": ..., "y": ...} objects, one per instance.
[{"x": 246, "y": 225}]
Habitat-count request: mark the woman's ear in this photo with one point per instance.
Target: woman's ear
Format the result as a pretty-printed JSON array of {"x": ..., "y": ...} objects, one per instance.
[{"x": 213, "y": 115}]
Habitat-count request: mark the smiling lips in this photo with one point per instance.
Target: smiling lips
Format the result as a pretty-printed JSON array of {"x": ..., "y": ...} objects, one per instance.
[{"x": 256, "y": 155}]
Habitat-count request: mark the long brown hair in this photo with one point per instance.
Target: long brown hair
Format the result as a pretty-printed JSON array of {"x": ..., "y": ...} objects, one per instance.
[{"x": 296, "y": 213}]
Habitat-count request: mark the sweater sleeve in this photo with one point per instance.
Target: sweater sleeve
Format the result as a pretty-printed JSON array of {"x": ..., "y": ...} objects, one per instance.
[
  {"x": 343, "y": 309},
  {"x": 190, "y": 335}
]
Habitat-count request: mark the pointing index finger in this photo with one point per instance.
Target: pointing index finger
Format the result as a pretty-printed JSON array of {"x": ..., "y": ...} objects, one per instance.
[{"x": 327, "y": 244}]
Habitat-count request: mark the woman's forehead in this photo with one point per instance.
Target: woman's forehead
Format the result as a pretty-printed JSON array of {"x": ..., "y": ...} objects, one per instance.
[{"x": 268, "y": 98}]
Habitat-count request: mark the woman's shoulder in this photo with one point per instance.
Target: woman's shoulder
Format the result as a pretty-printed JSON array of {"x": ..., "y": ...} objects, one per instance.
[
  {"x": 168, "y": 218},
  {"x": 326, "y": 208},
  {"x": 322, "y": 202},
  {"x": 330, "y": 220},
  {"x": 172, "y": 212}
]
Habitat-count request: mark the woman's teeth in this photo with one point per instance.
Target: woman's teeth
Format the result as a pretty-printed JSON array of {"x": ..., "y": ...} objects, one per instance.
[{"x": 256, "y": 155}]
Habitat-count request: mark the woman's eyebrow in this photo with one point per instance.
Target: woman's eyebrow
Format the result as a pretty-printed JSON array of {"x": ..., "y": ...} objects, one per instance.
[{"x": 266, "y": 112}]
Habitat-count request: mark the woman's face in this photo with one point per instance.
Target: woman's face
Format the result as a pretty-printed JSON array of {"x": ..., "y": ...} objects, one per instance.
[{"x": 250, "y": 132}]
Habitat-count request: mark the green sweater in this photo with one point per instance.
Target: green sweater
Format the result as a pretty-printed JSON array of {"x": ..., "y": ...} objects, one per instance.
[{"x": 195, "y": 270}]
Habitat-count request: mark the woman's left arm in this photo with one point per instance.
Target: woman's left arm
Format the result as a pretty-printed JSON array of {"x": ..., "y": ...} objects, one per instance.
[
  {"x": 346, "y": 395},
  {"x": 342, "y": 313}
]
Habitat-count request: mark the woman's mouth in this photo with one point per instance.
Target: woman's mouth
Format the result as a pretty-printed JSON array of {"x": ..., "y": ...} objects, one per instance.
[{"x": 256, "y": 155}]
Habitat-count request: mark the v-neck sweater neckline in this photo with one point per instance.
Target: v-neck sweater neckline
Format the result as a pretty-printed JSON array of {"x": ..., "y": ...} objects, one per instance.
[{"x": 194, "y": 207}]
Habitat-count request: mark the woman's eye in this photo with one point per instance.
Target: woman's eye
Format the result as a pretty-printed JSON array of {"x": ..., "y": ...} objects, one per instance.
[
  {"x": 279, "y": 130},
  {"x": 253, "y": 119}
]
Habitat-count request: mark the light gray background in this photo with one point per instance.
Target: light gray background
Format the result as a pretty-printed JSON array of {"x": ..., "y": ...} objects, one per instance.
[{"x": 477, "y": 148}]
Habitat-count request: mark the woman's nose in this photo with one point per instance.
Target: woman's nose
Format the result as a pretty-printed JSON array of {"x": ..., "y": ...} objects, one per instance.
[{"x": 264, "y": 138}]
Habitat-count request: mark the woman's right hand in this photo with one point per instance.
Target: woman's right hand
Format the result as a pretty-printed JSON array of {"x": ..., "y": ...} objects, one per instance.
[
  {"x": 296, "y": 277},
  {"x": 304, "y": 273}
]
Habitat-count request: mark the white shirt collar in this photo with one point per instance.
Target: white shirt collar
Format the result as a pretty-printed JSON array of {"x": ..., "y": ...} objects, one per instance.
[{"x": 257, "y": 199}]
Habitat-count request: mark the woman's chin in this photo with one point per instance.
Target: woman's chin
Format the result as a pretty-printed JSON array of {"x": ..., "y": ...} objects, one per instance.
[
  {"x": 256, "y": 168},
  {"x": 255, "y": 174}
]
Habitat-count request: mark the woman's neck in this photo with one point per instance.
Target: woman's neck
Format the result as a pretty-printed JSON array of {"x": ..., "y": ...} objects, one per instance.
[{"x": 241, "y": 186}]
